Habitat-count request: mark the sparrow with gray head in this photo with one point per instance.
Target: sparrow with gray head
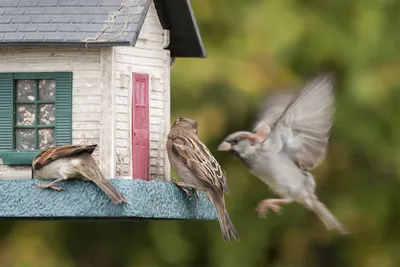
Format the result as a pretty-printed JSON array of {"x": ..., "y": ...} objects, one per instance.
[
  {"x": 69, "y": 162},
  {"x": 199, "y": 170},
  {"x": 290, "y": 137}
]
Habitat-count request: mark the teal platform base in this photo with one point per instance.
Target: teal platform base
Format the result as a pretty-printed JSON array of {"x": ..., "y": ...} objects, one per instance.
[{"x": 21, "y": 199}]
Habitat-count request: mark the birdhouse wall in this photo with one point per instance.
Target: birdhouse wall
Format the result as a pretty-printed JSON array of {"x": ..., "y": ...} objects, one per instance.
[
  {"x": 85, "y": 66},
  {"x": 147, "y": 57},
  {"x": 102, "y": 96}
]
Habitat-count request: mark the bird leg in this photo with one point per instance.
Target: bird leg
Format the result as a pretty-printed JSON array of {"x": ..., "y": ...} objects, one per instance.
[
  {"x": 185, "y": 188},
  {"x": 272, "y": 204},
  {"x": 51, "y": 185}
]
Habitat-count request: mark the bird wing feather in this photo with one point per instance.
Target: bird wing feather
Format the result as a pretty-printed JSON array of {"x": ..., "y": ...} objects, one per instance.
[
  {"x": 309, "y": 116},
  {"x": 199, "y": 160},
  {"x": 53, "y": 153}
]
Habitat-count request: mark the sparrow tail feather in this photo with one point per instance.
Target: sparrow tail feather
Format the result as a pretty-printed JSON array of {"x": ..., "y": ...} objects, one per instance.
[
  {"x": 328, "y": 218},
  {"x": 231, "y": 227},
  {"x": 93, "y": 173},
  {"x": 227, "y": 228}
]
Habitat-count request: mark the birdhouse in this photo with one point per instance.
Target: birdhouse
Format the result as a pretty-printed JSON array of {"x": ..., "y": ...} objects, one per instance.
[{"x": 92, "y": 72}]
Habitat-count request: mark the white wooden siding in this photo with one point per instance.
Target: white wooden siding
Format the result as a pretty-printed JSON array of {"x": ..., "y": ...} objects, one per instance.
[
  {"x": 107, "y": 134},
  {"x": 148, "y": 56},
  {"x": 85, "y": 65},
  {"x": 102, "y": 92}
]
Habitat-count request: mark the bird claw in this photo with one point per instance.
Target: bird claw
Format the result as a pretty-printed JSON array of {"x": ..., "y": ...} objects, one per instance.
[
  {"x": 268, "y": 204},
  {"x": 58, "y": 189},
  {"x": 187, "y": 193},
  {"x": 181, "y": 186},
  {"x": 185, "y": 189},
  {"x": 196, "y": 194}
]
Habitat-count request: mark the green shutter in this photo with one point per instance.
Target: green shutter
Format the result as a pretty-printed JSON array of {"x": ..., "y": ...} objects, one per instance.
[
  {"x": 64, "y": 108},
  {"x": 6, "y": 111}
]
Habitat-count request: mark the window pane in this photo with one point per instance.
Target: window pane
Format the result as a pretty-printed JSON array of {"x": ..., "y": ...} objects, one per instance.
[
  {"x": 26, "y": 90},
  {"x": 25, "y": 139},
  {"x": 25, "y": 114},
  {"x": 46, "y": 89},
  {"x": 46, "y": 138},
  {"x": 47, "y": 114}
]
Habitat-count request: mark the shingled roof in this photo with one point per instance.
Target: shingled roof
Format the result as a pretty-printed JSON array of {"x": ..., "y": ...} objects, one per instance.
[{"x": 96, "y": 23}]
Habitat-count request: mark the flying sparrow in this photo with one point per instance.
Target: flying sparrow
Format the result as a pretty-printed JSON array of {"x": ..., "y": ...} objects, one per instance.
[
  {"x": 72, "y": 161},
  {"x": 199, "y": 170},
  {"x": 290, "y": 137}
]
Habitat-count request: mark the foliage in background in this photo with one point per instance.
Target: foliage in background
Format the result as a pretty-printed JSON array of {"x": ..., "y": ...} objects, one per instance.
[{"x": 255, "y": 47}]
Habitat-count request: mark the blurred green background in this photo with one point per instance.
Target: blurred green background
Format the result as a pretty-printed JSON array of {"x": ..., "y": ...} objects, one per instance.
[{"x": 255, "y": 47}]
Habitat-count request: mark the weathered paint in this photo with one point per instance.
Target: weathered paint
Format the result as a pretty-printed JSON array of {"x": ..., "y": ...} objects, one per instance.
[
  {"x": 107, "y": 133},
  {"x": 140, "y": 126},
  {"x": 85, "y": 65},
  {"x": 102, "y": 93},
  {"x": 148, "y": 56}
]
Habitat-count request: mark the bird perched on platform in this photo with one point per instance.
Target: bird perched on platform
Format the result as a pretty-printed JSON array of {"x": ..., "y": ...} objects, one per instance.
[
  {"x": 290, "y": 138},
  {"x": 199, "y": 170},
  {"x": 70, "y": 162}
]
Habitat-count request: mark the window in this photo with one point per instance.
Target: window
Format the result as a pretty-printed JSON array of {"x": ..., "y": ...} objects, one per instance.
[{"x": 35, "y": 113}]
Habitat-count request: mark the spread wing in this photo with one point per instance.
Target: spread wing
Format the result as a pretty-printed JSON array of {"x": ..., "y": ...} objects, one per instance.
[
  {"x": 272, "y": 109},
  {"x": 199, "y": 160},
  {"x": 309, "y": 115},
  {"x": 53, "y": 153}
]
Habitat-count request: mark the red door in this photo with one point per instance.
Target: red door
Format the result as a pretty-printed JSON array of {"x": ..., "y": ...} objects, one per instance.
[{"x": 140, "y": 126}]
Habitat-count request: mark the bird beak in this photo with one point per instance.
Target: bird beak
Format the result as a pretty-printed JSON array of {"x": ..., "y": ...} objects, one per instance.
[{"x": 225, "y": 146}]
